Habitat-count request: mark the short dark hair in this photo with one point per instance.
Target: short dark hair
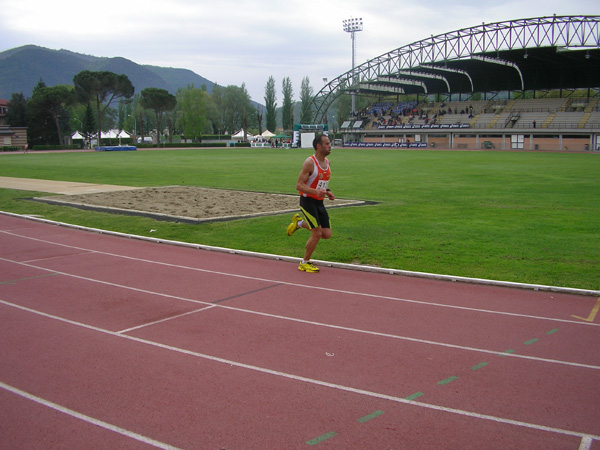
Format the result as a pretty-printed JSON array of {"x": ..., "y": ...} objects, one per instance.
[{"x": 317, "y": 140}]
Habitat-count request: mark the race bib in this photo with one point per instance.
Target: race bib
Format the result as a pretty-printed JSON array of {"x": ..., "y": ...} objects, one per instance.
[{"x": 323, "y": 184}]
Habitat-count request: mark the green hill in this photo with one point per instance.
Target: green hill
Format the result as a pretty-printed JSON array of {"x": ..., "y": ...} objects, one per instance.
[{"x": 21, "y": 68}]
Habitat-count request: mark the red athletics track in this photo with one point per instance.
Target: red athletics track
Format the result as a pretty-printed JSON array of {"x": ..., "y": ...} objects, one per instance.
[{"x": 110, "y": 342}]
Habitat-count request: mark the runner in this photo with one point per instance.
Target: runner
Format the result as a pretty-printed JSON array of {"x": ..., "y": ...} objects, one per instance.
[{"x": 313, "y": 186}]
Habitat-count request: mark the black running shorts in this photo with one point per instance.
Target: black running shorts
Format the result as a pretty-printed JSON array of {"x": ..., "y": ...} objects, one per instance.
[{"x": 314, "y": 212}]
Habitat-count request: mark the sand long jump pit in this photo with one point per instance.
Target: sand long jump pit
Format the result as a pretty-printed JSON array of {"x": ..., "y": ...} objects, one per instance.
[{"x": 188, "y": 204}]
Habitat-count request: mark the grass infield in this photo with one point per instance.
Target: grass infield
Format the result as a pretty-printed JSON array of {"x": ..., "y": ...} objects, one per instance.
[{"x": 512, "y": 216}]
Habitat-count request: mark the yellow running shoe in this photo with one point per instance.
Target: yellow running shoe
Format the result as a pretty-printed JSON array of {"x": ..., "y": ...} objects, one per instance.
[
  {"x": 294, "y": 225},
  {"x": 308, "y": 267}
]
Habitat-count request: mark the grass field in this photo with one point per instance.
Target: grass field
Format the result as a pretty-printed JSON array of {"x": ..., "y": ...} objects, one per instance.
[{"x": 512, "y": 216}]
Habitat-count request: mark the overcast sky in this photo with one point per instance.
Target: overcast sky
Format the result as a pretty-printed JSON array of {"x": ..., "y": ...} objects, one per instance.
[{"x": 241, "y": 41}]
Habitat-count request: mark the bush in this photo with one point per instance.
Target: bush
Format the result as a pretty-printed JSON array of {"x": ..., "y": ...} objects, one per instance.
[
  {"x": 216, "y": 136},
  {"x": 114, "y": 141},
  {"x": 11, "y": 149},
  {"x": 194, "y": 145},
  {"x": 55, "y": 147}
]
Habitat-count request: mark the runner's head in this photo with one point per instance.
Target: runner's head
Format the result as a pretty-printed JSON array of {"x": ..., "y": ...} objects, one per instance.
[{"x": 321, "y": 142}]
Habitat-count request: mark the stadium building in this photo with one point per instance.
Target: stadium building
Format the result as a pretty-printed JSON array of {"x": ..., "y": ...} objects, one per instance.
[{"x": 531, "y": 84}]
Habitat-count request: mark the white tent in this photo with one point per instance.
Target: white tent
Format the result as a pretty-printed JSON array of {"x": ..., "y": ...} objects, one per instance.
[
  {"x": 110, "y": 134},
  {"x": 240, "y": 135},
  {"x": 267, "y": 134},
  {"x": 115, "y": 134}
]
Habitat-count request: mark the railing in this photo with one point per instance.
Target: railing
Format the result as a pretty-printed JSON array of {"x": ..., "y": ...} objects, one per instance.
[
  {"x": 454, "y": 126},
  {"x": 552, "y": 126}
]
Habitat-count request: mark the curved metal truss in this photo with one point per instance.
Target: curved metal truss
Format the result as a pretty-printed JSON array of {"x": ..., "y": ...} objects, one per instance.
[{"x": 527, "y": 54}]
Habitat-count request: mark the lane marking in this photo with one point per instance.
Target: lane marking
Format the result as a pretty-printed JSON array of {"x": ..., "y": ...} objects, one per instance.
[
  {"x": 370, "y": 416},
  {"x": 554, "y": 330},
  {"x": 408, "y": 273},
  {"x": 85, "y": 418},
  {"x": 166, "y": 319},
  {"x": 479, "y": 366},
  {"x": 28, "y": 278},
  {"x": 304, "y": 286},
  {"x": 322, "y": 438},
  {"x": 447, "y": 380},
  {"x": 414, "y": 396},
  {"x": 82, "y": 252},
  {"x": 320, "y": 324},
  {"x": 242, "y": 294},
  {"x": 312, "y": 381},
  {"x": 531, "y": 341},
  {"x": 586, "y": 443},
  {"x": 592, "y": 315}
]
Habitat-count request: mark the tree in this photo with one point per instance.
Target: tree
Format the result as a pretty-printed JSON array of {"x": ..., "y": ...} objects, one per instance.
[
  {"x": 161, "y": 101},
  {"x": 141, "y": 119},
  {"x": 344, "y": 106},
  {"x": 16, "y": 116},
  {"x": 88, "y": 124},
  {"x": 218, "y": 114},
  {"x": 192, "y": 111},
  {"x": 306, "y": 97},
  {"x": 259, "y": 118},
  {"x": 124, "y": 111},
  {"x": 286, "y": 109},
  {"x": 54, "y": 101},
  {"x": 236, "y": 108},
  {"x": 271, "y": 105},
  {"x": 40, "y": 126},
  {"x": 102, "y": 88}
]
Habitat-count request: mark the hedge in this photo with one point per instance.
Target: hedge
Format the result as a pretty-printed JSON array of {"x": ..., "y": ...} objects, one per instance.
[
  {"x": 182, "y": 145},
  {"x": 56, "y": 147}
]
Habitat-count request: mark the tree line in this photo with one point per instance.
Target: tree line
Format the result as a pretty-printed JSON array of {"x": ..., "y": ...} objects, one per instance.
[{"x": 99, "y": 101}]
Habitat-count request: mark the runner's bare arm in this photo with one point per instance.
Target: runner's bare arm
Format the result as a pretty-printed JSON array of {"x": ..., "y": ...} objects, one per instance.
[{"x": 305, "y": 172}]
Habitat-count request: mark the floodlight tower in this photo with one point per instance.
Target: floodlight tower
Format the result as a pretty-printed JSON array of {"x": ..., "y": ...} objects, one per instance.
[{"x": 352, "y": 26}]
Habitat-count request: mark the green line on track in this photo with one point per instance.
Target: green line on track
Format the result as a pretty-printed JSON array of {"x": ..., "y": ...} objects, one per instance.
[
  {"x": 414, "y": 396},
  {"x": 479, "y": 366},
  {"x": 28, "y": 278},
  {"x": 370, "y": 416},
  {"x": 507, "y": 352},
  {"x": 552, "y": 331},
  {"x": 530, "y": 341},
  {"x": 322, "y": 438},
  {"x": 448, "y": 380}
]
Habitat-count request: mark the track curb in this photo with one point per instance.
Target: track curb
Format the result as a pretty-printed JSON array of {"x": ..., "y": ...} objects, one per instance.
[{"x": 357, "y": 267}]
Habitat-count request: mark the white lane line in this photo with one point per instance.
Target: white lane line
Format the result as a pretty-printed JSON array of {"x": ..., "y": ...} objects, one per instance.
[
  {"x": 87, "y": 419},
  {"x": 321, "y": 324},
  {"x": 356, "y": 267},
  {"x": 304, "y": 286},
  {"x": 166, "y": 319},
  {"x": 586, "y": 443},
  {"x": 313, "y": 381}
]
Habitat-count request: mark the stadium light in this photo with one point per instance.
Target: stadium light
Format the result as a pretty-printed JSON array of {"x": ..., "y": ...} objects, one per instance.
[{"x": 352, "y": 26}]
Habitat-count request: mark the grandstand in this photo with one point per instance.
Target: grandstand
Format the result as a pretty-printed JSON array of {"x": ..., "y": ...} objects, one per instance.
[{"x": 528, "y": 84}]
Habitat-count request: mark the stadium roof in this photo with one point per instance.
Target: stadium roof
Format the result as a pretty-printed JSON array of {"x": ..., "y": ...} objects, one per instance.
[{"x": 544, "y": 53}]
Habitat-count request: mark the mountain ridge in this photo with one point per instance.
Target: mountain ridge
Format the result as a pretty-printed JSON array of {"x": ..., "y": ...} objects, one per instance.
[{"x": 21, "y": 68}]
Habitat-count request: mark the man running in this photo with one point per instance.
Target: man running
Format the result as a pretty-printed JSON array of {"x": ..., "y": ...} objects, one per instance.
[{"x": 313, "y": 186}]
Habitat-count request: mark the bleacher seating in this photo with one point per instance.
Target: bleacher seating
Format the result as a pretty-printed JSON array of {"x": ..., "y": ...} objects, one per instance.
[
  {"x": 493, "y": 114},
  {"x": 566, "y": 119},
  {"x": 539, "y": 104},
  {"x": 594, "y": 120}
]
